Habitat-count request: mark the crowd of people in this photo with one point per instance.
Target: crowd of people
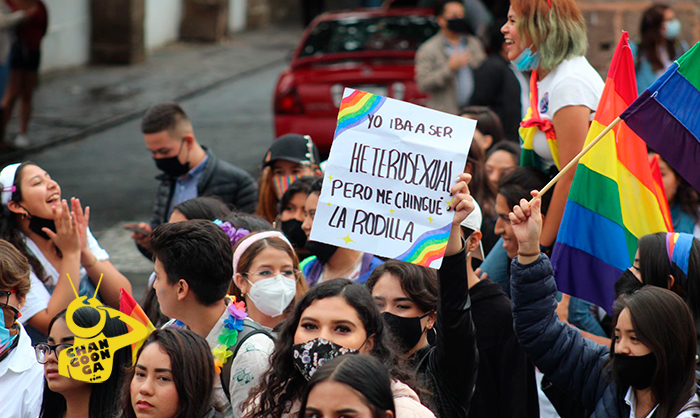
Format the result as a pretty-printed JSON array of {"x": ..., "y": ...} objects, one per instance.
[{"x": 253, "y": 319}]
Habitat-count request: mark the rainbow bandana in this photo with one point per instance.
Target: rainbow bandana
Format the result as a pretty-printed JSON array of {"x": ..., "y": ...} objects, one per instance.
[
  {"x": 529, "y": 127},
  {"x": 282, "y": 183},
  {"x": 678, "y": 247}
]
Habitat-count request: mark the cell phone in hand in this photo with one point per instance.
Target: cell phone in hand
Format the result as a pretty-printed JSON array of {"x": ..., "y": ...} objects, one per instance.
[{"x": 136, "y": 228}]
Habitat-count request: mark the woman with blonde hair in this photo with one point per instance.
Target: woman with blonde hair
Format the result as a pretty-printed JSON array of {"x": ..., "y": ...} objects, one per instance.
[{"x": 548, "y": 38}]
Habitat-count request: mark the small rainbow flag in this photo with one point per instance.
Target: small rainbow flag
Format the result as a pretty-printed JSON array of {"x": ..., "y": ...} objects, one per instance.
[
  {"x": 428, "y": 247},
  {"x": 355, "y": 108},
  {"x": 613, "y": 200},
  {"x": 665, "y": 116},
  {"x": 129, "y": 306}
]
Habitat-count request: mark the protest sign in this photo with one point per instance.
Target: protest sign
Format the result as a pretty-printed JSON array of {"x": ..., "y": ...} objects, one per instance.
[{"x": 386, "y": 187}]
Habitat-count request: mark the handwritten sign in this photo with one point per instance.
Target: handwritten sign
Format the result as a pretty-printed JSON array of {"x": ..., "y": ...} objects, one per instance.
[{"x": 387, "y": 182}]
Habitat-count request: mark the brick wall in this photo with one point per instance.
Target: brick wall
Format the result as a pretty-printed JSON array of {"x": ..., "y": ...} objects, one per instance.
[{"x": 607, "y": 18}]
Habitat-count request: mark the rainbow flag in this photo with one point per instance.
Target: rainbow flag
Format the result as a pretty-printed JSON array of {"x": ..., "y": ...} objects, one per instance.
[
  {"x": 665, "y": 116},
  {"x": 613, "y": 199},
  {"x": 129, "y": 306}
]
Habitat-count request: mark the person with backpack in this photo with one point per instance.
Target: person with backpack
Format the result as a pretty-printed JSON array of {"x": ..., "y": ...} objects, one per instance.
[
  {"x": 194, "y": 267},
  {"x": 266, "y": 275}
]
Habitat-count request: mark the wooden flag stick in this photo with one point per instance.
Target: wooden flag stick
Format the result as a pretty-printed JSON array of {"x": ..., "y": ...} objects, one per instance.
[{"x": 574, "y": 161}]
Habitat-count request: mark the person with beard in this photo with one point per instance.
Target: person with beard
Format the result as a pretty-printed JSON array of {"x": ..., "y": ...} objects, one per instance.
[
  {"x": 445, "y": 63},
  {"x": 291, "y": 214},
  {"x": 649, "y": 368},
  {"x": 57, "y": 242},
  {"x": 327, "y": 261},
  {"x": 289, "y": 158},
  {"x": 189, "y": 170}
]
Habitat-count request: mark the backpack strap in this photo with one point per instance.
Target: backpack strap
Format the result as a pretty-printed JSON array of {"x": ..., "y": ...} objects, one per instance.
[{"x": 250, "y": 329}]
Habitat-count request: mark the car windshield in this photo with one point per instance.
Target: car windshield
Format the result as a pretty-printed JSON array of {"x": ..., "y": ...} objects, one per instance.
[{"x": 385, "y": 33}]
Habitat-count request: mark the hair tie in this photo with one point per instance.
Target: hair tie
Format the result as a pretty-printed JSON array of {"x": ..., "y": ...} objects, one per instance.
[
  {"x": 234, "y": 234},
  {"x": 7, "y": 179},
  {"x": 549, "y": 2},
  {"x": 241, "y": 249},
  {"x": 678, "y": 247}
]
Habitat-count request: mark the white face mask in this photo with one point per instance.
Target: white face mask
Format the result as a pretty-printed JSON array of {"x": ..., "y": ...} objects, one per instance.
[{"x": 272, "y": 296}]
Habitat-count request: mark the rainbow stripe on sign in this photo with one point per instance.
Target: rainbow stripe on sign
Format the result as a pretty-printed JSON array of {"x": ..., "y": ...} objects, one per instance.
[
  {"x": 355, "y": 109},
  {"x": 428, "y": 247}
]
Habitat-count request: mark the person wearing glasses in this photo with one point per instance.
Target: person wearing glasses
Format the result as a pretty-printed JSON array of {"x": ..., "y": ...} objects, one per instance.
[
  {"x": 20, "y": 375},
  {"x": 66, "y": 397},
  {"x": 194, "y": 265}
]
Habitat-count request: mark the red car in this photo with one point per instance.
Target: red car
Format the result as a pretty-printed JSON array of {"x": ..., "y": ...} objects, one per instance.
[{"x": 371, "y": 50}]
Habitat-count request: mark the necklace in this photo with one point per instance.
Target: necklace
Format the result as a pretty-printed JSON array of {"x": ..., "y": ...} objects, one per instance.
[{"x": 229, "y": 333}]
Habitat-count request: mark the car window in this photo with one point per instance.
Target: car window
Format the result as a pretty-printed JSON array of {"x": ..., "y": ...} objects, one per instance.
[{"x": 386, "y": 33}]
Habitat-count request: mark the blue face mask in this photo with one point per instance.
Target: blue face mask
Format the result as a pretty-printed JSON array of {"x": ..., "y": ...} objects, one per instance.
[
  {"x": 672, "y": 29},
  {"x": 6, "y": 339},
  {"x": 527, "y": 60}
]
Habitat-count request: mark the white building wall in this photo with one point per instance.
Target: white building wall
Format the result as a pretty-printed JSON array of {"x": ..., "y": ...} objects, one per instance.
[
  {"x": 162, "y": 22},
  {"x": 237, "y": 15},
  {"x": 67, "y": 40}
]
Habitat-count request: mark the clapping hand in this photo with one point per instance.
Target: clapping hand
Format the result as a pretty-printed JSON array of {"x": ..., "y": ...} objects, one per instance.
[{"x": 67, "y": 235}]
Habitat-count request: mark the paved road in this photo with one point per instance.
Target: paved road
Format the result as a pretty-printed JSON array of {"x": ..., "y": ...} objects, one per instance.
[{"x": 113, "y": 173}]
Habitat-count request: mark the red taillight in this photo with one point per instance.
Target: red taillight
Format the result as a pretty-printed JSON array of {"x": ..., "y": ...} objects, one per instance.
[{"x": 288, "y": 103}]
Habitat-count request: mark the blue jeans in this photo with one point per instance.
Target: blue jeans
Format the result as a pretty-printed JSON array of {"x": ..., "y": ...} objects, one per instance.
[{"x": 497, "y": 263}]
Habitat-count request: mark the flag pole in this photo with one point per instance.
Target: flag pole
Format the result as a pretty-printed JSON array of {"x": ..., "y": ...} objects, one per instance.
[{"x": 574, "y": 161}]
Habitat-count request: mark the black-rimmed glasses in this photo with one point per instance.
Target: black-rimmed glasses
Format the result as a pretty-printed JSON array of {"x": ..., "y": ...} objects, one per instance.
[
  {"x": 5, "y": 297},
  {"x": 43, "y": 351}
]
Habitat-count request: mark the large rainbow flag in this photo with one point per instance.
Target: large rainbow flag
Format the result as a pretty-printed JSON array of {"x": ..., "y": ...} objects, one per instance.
[
  {"x": 613, "y": 199},
  {"x": 665, "y": 116},
  {"x": 129, "y": 306}
]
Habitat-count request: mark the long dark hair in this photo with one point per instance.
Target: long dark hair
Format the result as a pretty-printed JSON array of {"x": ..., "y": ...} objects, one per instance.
[
  {"x": 207, "y": 207},
  {"x": 480, "y": 186},
  {"x": 663, "y": 323},
  {"x": 364, "y": 374},
  {"x": 282, "y": 384},
  {"x": 652, "y": 38},
  {"x": 192, "y": 366},
  {"x": 104, "y": 397},
  {"x": 655, "y": 268},
  {"x": 9, "y": 228},
  {"x": 419, "y": 283}
]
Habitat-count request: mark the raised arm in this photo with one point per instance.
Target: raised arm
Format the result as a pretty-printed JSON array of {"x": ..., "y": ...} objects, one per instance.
[
  {"x": 560, "y": 352},
  {"x": 455, "y": 359}
]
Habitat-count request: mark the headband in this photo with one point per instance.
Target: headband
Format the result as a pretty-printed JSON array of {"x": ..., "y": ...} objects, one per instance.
[
  {"x": 7, "y": 180},
  {"x": 678, "y": 246},
  {"x": 244, "y": 245}
]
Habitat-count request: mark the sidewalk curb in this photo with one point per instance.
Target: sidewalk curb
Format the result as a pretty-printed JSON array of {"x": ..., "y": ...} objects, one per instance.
[{"x": 129, "y": 116}]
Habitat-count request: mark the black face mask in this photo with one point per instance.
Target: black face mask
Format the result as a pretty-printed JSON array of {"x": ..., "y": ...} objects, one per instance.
[
  {"x": 406, "y": 330},
  {"x": 36, "y": 224},
  {"x": 627, "y": 284},
  {"x": 292, "y": 230},
  {"x": 171, "y": 165},
  {"x": 458, "y": 26},
  {"x": 321, "y": 250},
  {"x": 635, "y": 371}
]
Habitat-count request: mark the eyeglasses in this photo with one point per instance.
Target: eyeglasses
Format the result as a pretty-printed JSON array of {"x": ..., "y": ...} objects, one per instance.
[
  {"x": 268, "y": 274},
  {"x": 43, "y": 351},
  {"x": 5, "y": 295}
]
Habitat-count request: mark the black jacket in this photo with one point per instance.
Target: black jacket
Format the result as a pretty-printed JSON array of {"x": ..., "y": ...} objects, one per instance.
[
  {"x": 496, "y": 86},
  {"x": 231, "y": 184},
  {"x": 506, "y": 385},
  {"x": 448, "y": 368}
]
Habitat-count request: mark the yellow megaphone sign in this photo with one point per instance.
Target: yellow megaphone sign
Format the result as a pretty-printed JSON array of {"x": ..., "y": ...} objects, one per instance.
[{"x": 90, "y": 358}]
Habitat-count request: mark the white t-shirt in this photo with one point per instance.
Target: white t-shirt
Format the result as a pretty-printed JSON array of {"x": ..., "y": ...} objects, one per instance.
[
  {"x": 691, "y": 408},
  {"x": 573, "y": 83},
  {"x": 21, "y": 380},
  {"x": 40, "y": 292}
]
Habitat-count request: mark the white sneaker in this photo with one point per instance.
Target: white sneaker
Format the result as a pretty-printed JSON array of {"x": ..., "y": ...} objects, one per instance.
[{"x": 21, "y": 141}]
